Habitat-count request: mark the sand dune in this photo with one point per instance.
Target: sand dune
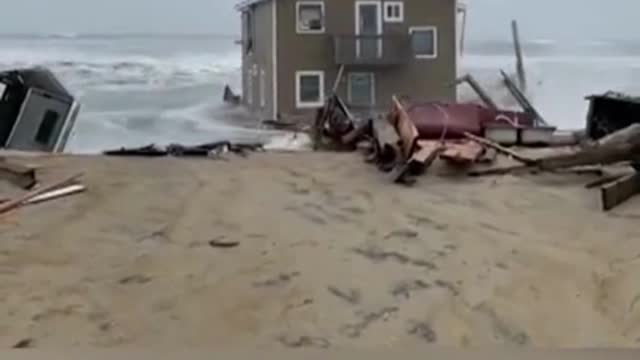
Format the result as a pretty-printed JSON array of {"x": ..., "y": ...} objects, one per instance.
[{"x": 330, "y": 254}]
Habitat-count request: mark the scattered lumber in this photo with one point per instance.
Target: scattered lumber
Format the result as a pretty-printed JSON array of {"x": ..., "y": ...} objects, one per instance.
[
  {"x": 619, "y": 191},
  {"x": 17, "y": 174},
  {"x": 521, "y": 158},
  {"x": 500, "y": 170},
  {"x": 12, "y": 204}
]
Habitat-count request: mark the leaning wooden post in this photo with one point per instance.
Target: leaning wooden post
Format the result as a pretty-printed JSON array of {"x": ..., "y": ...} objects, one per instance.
[{"x": 522, "y": 78}]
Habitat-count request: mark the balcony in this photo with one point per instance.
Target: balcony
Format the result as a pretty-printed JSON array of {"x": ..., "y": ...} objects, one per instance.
[{"x": 380, "y": 50}]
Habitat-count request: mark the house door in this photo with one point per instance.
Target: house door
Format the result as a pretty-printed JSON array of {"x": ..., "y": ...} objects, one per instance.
[{"x": 368, "y": 29}]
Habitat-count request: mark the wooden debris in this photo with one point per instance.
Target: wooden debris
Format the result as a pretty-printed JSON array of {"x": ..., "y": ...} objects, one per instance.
[
  {"x": 500, "y": 170},
  {"x": 521, "y": 158},
  {"x": 477, "y": 88},
  {"x": 58, "y": 193},
  {"x": 603, "y": 180},
  {"x": 23, "y": 344},
  {"x": 221, "y": 242},
  {"x": 19, "y": 175},
  {"x": 614, "y": 194},
  {"x": 10, "y": 205},
  {"x": 462, "y": 152}
]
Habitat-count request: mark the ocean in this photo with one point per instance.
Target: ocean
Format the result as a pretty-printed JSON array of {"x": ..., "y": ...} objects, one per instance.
[{"x": 142, "y": 89}]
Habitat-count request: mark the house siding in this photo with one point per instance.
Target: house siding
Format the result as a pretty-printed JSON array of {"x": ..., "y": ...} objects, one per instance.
[
  {"x": 259, "y": 61},
  {"x": 424, "y": 79}
]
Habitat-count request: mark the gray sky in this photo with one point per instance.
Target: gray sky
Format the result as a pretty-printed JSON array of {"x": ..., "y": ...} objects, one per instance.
[{"x": 488, "y": 19}]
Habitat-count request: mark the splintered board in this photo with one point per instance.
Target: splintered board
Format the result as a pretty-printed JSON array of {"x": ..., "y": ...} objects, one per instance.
[{"x": 619, "y": 191}]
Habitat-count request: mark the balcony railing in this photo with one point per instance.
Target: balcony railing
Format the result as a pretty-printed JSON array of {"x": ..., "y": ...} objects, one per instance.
[{"x": 392, "y": 49}]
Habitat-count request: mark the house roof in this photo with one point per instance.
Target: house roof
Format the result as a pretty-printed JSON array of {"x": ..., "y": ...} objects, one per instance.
[{"x": 246, "y": 3}]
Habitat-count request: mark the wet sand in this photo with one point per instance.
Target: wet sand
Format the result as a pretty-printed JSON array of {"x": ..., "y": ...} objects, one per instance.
[{"x": 329, "y": 254}]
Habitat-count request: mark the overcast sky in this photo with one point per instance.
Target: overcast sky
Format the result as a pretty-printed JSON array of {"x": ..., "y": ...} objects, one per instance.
[{"x": 488, "y": 19}]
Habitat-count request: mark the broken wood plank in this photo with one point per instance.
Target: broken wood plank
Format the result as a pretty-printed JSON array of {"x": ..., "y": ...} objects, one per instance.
[
  {"x": 521, "y": 158},
  {"x": 17, "y": 174},
  {"x": 500, "y": 170},
  {"x": 405, "y": 128},
  {"x": 614, "y": 194},
  {"x": 10, "y": 205},
  {"x": 464, "y": 153},
  {"x": 603, "y": 180},
  {"x": 55, "y": 194}
]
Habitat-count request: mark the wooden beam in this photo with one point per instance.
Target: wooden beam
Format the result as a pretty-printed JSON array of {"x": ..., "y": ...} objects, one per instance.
[
  {"x": 10, "y": 205},
  {"x": 478, "y": 89},
  {"x": 522, "y": 78},
  {"x": 17, "y": 174},
  {"x": 521, "y": 158},
  {"x": 606, "y": 179},
  {"x": 619, "y": 191}
]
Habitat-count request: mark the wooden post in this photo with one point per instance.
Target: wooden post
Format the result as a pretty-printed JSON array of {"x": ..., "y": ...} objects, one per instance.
[
  {"x": 482, "y": 141},
  {"x": 522, "y": 78}
]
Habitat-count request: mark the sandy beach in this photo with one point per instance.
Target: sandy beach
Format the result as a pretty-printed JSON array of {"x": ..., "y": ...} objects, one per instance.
[{"x": 329, "y": 254}]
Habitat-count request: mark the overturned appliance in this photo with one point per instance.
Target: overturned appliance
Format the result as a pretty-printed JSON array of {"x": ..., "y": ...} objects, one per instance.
[{"x": 37, "y": 113}]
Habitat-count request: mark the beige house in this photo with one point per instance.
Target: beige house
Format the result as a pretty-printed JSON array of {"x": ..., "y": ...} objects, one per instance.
[{"x": 293, "y": 50}]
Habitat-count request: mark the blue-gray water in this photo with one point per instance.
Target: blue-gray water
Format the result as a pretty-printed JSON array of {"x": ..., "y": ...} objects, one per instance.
[{"x": 142, "y": 89}]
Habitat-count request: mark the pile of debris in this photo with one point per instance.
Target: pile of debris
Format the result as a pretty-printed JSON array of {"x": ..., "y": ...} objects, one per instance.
[
  {"x": 465, "y": 135},
  {"x": 211, "y": 150},
  {"x": 25, "y": 178}
]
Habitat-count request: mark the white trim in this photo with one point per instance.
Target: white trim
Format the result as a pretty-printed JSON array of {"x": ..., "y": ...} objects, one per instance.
[
  {"x": 263, "y": 88},
  {"x": 306, "y": 105},
  {"x": 389, "y": 19},
  {"x": 356, "y": 21},
  {"x": 274, "y": 70},
  {"x": 434, "y": 29},
  {"x": 373, "y": 88},
  {"x": 67, "y": 128},
  {"x": 322, "y": 10}
]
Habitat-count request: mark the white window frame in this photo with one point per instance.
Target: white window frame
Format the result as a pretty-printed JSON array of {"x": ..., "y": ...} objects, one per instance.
[
  {"x": 322, "y": 10},
  {"x": 373, "y": 88},
  {"x": 434, "y": 29},
  {"x": 390, "y": 19},
  {"x": 306, "y": 105}
]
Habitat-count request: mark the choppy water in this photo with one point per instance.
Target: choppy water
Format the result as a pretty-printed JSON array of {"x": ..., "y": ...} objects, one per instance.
[{"x": 141, "y": 89}]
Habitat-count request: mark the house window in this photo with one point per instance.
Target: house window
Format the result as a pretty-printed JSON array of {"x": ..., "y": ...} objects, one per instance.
[
  {"x": 424, "y": 40},
  {"x": 248, "y": 31},
  {"x": 361, "y": 89},
  {"x": 48, "y": 124},
  {"x": 310, "y": 17},
  {"x": 309, "y": 89},
  {"x": 394, "y": 11}
]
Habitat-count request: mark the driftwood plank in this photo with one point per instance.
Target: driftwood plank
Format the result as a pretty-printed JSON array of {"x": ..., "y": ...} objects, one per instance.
[
  {"x": 17, "y": 174},
  {"x": 523, "y": 159},
  {"x": 10, "y": 205},
  {"x": 619, "y": 191}
]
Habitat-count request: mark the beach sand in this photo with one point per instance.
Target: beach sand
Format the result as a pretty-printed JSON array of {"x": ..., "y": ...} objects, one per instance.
[{"x": 329, "y": 254}]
